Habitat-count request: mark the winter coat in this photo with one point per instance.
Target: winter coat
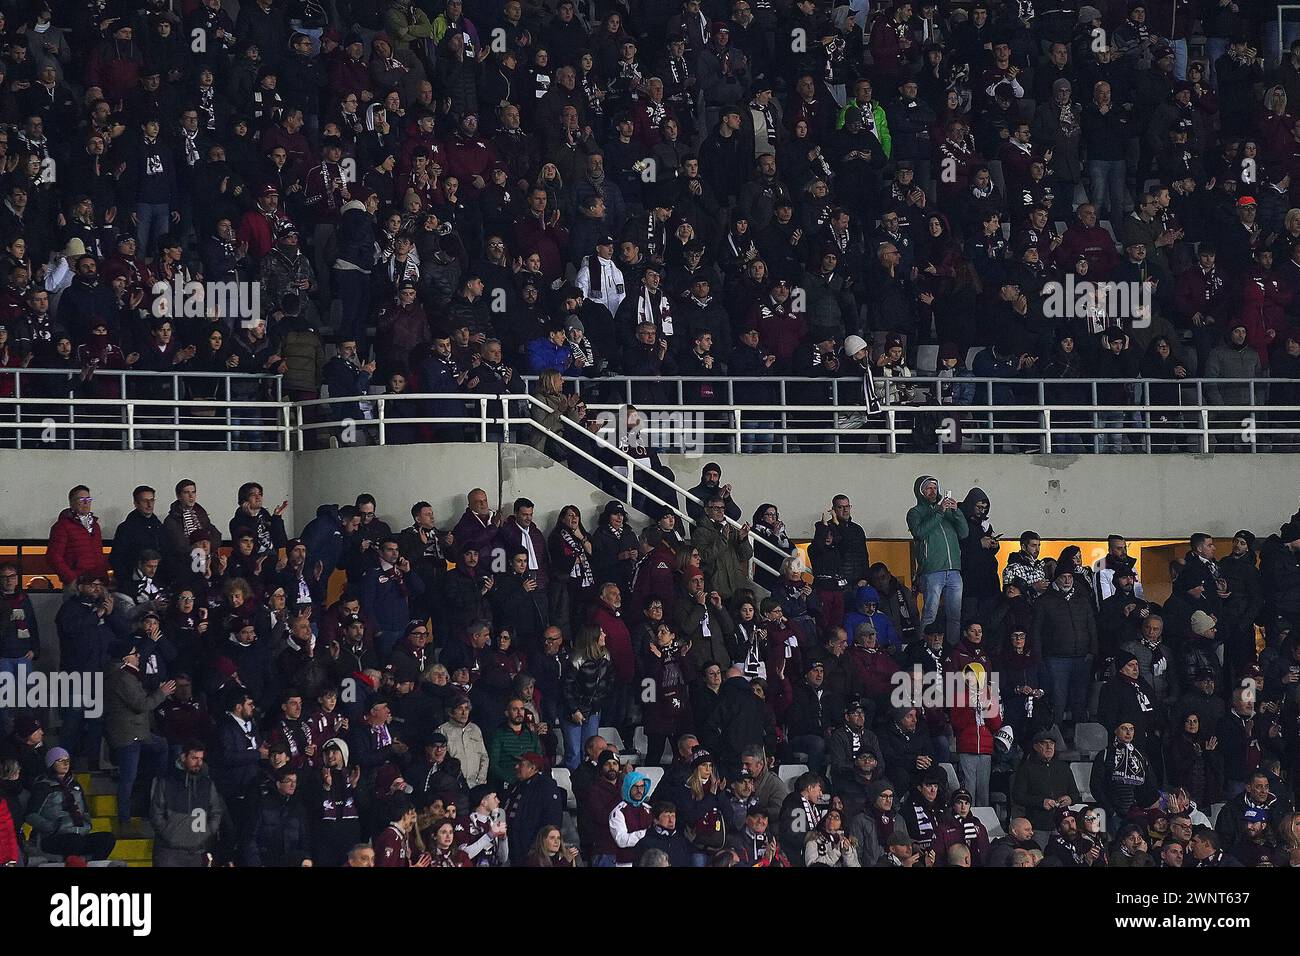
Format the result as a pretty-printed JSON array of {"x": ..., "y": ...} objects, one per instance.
[
  {"x": 979, "y": 565},
  {"x": 466, "y": 745},
  {"x": 74, "y": 550},
  {"x": 48, "y": 811},
  {"x": 136, "y": 533},
  {"x": 937, "y": 535},
  {"x": 1063, "y": 628},
  {"x": 724, "y": 560},
  {"x": 127, "y": 707},
  {"x": 177, "y": 794},
  {"x": 1037, "y": 780},
  {"x": 280, "y": 835},
  {"x": 587, "y": 685},
  {"x": 952, "y": 831}
]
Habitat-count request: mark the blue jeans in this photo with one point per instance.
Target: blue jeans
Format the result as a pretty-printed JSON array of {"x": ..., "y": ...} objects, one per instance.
[
  {"x": 604, "y": 859},
  {"x": 1215, "y": 47},
  {"x": 1106, "y": 188},
  {"x": 945, "y": 586},
  {"x": 1069, "y": 685},
  {"x": 757, "y": 442},
  {"x": 352, "y": 287},
  {"x": 1180, "y": 59},
  {"x": 1113, "y": 443},
  {"x": 80, "y": 734},
  {"x": 148, "y": 755},
  {"x": 155, "y": 220},
  {"x": 575, "y": 735}
]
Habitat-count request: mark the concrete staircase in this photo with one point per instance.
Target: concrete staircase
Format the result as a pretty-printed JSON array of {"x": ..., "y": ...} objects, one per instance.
[{"x": 134, "y": 846}]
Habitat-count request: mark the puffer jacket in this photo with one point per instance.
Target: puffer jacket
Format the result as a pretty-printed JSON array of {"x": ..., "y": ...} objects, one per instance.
[
  {"x": 176, "y": 795},
  {"x": 586, "y": 685},
  {"x": 73, "y": 550},
  {"x": 723, "y": 559},
  {"x": 1063, "y": 628},
  {"x": 936, "y": 534},
  {"x": 48, "y": 814},
  {"x": 280, "y": 834}
]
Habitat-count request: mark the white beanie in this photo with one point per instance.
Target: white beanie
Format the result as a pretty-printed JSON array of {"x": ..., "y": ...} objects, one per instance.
[{"x": 853, "y": 344}]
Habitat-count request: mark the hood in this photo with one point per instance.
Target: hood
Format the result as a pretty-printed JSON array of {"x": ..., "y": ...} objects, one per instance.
[
  {"x": 631, "y": 780},
  {"x": 328, "y": 511},
  {"x": 353, "y": 204},
  {"x": 916, "y": 489},
  {"x": 341, "y": 744},
  {"x": 974, "y": 497},
  {"x": 868, "y": 593}
]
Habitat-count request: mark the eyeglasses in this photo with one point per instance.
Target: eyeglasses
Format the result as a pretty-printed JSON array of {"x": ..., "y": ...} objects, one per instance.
[{"x": 86, "y": 501}]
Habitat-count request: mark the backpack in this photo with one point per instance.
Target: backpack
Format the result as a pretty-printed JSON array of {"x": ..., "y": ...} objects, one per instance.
[{"x": 710, "y": 832}]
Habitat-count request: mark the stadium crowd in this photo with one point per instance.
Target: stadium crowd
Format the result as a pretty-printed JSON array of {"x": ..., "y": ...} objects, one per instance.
[
  {"x": 453, "y": 195},
  {"x": 369, "y": 693}
]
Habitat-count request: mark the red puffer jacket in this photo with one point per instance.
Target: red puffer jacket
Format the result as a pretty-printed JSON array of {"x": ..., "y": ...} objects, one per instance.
[
  {"x": 974, "y": 737},
  {"x": 73, "y": 550}
]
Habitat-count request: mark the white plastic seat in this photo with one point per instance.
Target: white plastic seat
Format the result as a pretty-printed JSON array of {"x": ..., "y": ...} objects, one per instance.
[
  {"x": 954, "y": 782},
  {"x": 1082, "y": 770},
  {"x": 1214, "y": 812},
  {"x": 989, "y": 817},
  {"x": 562, "y": 779},
  {"x": 612, "y": 737},
  {"x": 790, "y": 772},
  {"x": 1090, "y": 739},
  {"x": 927, "y": 359},
  {"x": 655, "y": 776}
]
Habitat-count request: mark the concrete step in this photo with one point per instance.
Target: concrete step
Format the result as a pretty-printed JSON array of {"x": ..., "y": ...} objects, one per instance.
[
  {"x": 103, "y": 805},
  {"x": 130, "y": 850},
  {"x": 97, "y": 784}
]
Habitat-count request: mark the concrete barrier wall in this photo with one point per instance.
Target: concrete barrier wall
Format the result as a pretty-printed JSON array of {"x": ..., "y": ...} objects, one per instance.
[
  {"x": 1067, "y": 497},
  {"x": 34, "y": 484},
  {"x": 1059, "y": 496},
  {"x": 398, "y": 476}
]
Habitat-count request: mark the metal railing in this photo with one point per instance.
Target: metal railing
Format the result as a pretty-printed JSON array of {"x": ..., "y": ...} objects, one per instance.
[
  {"x": 161, "y": 410},
  {"x": 799, "y": 414}
]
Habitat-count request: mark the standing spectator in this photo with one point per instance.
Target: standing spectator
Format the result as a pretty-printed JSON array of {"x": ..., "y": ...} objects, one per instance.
[
  {"x": 185, "y": 811},
  {"x": 76, "y": 544},
  {"x": 937, "y": 526}
]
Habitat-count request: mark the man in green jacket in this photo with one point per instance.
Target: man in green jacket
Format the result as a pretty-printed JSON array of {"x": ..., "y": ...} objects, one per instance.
[
  {"x": 937, "y": 526},
  {"x": 513, "y": 738},
  {"x": 137, "y": 750},
  {"x": 724, "y": 551}
]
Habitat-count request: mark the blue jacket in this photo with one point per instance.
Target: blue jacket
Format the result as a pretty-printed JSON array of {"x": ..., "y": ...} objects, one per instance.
[
  {"x": 988, "y": 365},
  {"x": 343, "y": 379},
  {"x": 385, "y": 596},
  {"x": 84, "y": 636},
  {"x": 324, "y": 539},
  {"x": 438, "y": 377},
  {"x": 886, "y": 635},
  {"x": 544, "y": 354}
]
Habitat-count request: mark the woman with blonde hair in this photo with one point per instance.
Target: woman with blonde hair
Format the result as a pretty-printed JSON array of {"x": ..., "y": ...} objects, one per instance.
[
  {"x": 585, "y": 690},
  {"x": 549, "y": 849},
  {"x": 555, "y": 407}
]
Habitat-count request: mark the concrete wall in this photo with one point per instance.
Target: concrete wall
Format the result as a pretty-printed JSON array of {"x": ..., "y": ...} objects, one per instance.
[
  {"x": 1059, "y": 496},
  {"x": 34, "y": 484},
  {"x": 1143, "y": 496},
  {"x": 398, "y": 476}
]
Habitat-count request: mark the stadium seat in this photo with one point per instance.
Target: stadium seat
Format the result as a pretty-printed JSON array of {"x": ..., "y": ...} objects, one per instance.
[
  {"x": 989, "y": 817},
  {"x": 1082, "y": 770},
  {"x": 1090, "y": 739},
  {"x": 927, "y": 359},
  {"x": 1214, "y": 813},
  {"x": 953, "y": 781},
  {"x": 562, "y": 778},
  {"x": 656, "y": 776},
  {"x": 612, "y": 737},
  {"x": 791, "y": 772}
]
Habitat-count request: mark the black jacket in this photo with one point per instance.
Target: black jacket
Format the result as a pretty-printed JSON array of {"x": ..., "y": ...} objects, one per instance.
[
  {"x": 531, "y": 805},
  {"x": 1063, "y": 628},
  {"x": 280, "y": 835},
  {"x": 137, "y": 532}
]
